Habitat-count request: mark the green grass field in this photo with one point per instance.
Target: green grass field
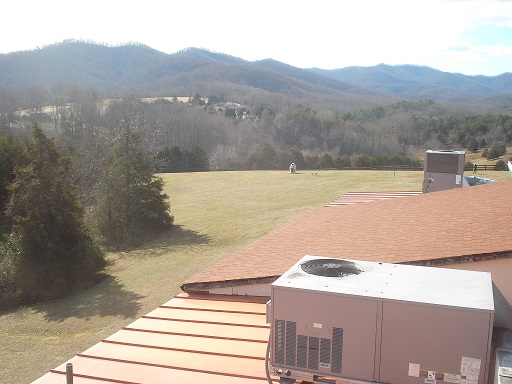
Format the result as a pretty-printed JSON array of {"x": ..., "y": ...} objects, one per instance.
[{"x": 215, "y": 213}]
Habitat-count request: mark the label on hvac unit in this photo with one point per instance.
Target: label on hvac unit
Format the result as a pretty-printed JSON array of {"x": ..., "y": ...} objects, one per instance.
[
  {"x": 431, "y": 377},
  {"x": 414, "y": 370},
  {"x": 452, "y": 378},
  {"x": 470, "y": 367},
  {"x": 469, "y": 370}
]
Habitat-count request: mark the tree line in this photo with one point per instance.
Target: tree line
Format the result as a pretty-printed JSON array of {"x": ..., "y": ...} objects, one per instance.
[
  {"x": 265, "y": 156},
  {"x": 51, "y": 244},
  {"x": 216, "y": 125}
]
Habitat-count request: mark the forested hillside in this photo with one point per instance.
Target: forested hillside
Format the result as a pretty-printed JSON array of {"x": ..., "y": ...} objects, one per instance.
[
  {"x": 208, "y": 133},
  {"x": 143, "y": 71}
]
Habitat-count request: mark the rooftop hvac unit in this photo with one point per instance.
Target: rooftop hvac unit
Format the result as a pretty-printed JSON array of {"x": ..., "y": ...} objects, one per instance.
[
  {"x": 343, "y": 321},
  {"x": 443, "y": 170}
]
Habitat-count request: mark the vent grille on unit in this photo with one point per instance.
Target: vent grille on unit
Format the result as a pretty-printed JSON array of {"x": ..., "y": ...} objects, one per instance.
[
  {"x": 291, "y": 342},
  {"x": 330, "y": 267},
  {"x": 337, "y": 348},
  {"x": 313, "y": 353},
  {"x": 309, "y": 352},
  {"x": 302, "y": 351}
]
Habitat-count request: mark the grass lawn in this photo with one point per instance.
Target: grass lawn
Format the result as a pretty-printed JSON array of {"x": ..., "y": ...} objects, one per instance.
[{"x": 215, "y": 214}]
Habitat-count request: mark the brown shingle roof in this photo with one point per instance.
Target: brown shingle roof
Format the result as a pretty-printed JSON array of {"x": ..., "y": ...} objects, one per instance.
[{"x": 453, "y": 224}]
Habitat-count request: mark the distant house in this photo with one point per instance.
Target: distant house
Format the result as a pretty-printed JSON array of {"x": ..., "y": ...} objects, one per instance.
[
  {"x": 41, "y": 117},
  {"x": 215, "y": 331},
  {"x": 246, "y": 116}
]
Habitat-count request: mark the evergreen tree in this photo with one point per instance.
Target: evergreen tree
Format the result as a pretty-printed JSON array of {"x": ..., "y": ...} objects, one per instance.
[
  {"x": 473, "y": 146},
  {"x": 342, "y": 161},
  {"x": 326, "y": 161},
  {"x": 131, "y": 206},
  {"x": 49, "y": 246},
  {"x": 196, "y": 160},
  {"x": 262, "y": 157},
  {"x": 170, "y": 160},
  {"x": 286, "y": 154},
  {"x": 10, "y": 154}
]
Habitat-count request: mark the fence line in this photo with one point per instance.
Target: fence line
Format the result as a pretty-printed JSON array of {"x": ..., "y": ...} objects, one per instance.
[{"x": 484, "y": 167}]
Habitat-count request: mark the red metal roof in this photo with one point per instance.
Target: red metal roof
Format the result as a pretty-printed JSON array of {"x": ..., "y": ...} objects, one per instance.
[{"x": 191, "y": 338}]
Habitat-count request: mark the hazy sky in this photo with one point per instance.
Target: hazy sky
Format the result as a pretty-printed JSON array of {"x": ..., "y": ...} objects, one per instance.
[{"x": 466, "y": 36}]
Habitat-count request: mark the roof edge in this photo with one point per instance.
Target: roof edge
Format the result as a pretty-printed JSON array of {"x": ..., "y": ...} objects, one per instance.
[
  {"x": 462, "y": 259},
  {"x": 205, "y": 286}
]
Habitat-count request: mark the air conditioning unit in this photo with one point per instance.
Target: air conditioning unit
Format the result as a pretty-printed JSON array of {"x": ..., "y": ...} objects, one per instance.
[
  {"x": 443, "y": 170},
  {"x": 344, "y": 321}
]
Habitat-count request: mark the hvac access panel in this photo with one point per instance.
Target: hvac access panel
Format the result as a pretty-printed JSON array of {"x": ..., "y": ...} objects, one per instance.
[
  {"x": 381, "y": 323},
  {"x": 318, "y": 331},
  {"x": 436, "y": 344}
]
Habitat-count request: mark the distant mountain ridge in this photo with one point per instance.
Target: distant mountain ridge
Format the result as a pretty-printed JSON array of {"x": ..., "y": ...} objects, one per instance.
[
  {"x": 413, "y": 79},
  {"x": 139, "y": 68}
]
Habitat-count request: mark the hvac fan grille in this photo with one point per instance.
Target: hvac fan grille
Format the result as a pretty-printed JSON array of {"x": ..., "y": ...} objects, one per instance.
[{"x": 330, "y": 267}]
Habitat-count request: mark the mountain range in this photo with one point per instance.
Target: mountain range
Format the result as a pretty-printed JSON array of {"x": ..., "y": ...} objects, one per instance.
[{"x": 140, "y": 69}]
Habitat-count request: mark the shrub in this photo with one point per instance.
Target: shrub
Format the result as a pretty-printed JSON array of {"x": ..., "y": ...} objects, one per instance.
[
  {"x": 342, "y": 161},
  {"x": 501, "y": 165}
]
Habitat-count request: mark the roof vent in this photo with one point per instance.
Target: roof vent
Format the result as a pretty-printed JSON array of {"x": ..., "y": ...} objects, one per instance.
[{"x": 330, "y": 267}]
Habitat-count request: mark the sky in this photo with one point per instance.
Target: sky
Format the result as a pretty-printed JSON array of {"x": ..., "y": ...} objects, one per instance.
[{"x": 473, "y": 37}]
